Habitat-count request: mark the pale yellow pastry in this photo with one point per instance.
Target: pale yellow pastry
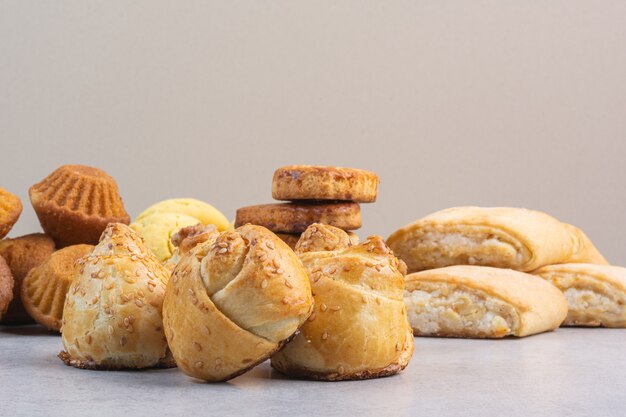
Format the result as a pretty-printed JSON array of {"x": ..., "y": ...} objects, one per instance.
[
  {"x": 481, "y": 302},
  {"x": 112, "y": 314},
  {"x": 204, "y": 212},
  {"x": 157, "y": 230},
  {"x": 359, "y": 327},
  {"x": 232, "y": 301},
  {"x": 502, "y": 237},
  {"x": 596, "y": 294}
]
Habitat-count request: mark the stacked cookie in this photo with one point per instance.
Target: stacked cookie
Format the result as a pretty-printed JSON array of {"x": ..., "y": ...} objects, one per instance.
[{"x": 316, "y": 194}]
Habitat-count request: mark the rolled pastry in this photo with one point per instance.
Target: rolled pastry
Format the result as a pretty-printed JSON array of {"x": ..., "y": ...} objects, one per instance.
[
  {"x": 596, "y": 294},
  {"x": 112, "y": 313},
  {"x": 502, "y": 237},
  {"x": 232, "y": 301},
  {"x": 481, "y": 302},
  {"x": 359, "y": 327}
]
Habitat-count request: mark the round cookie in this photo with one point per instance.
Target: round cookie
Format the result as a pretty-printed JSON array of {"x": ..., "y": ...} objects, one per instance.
[
  {"x": 45, "y": 287},
  {"x": 295, "y": 218},
  {"x": 75, "y": 204},
  {"x": 6, "y": 286},
  {"x": 10, "y": 210},
  {"x": 307, "y": 182},
  {"x": 23, "y": 254}
]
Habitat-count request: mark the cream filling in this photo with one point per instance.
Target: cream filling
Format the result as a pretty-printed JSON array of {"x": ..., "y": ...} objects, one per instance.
[
  {"x": 588, "y": 301},
  {"x": 437, "y": 248},
  {"x": 452, "y": 311}
]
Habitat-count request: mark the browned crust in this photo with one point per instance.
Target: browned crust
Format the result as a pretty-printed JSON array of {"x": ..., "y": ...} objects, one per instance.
[
  {"x": 294, "y": 218},
  {"x": 389, "y": 370},
  {"x": 6, "y": 286},
  {"x": 58, "y": 271},
  {"x": 64, "y": 202},
  {"x": 10, "y": 210},
  {"x": 93, "y": 366},
  {"x": 23, "y": 254},
  {"x": 306, "y": 182}
]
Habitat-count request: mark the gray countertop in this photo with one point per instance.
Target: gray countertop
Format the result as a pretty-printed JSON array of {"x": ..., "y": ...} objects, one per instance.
[{"x": 570, "y": 372}]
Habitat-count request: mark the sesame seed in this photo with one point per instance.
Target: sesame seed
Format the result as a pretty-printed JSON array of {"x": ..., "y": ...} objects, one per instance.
[
  {"x": 279, "y": 271},
  {"x": 122, "y": 340},
  {"x": 197, "y": 346},
  {"x": 311, "y": 317},
  {"x": 346, "y": 268},
  {"x": 323, "y": 307},
  {"x": 222, "y": 244},
  {"x": 335, "y": 308},
  {"x": 110, "y": 329},
  {"x": 223, "y": 250},
  {"x": 378, "y": 301},
  {"x": 199, "y": 364},
  {"x": 269, "y": 244},
  {"x": 126, "y": 321},
  {"x": 88, "y": 338},
  {"x": 218, "y": 361},
  {"x": 324, "y": 335},
  {"x": 398, "y": 346},
  {"x": 285, "y": 300},
  {"x": 341, "y": 369},
  {"x": 364, "y": 298},
  {"x": 264, "y": 283},
  {"x": 288, "y": 284},
  {"x": 139, "y": 303}
]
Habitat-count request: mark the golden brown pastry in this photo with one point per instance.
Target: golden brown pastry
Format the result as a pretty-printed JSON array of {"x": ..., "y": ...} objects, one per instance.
[
  {"x": 45, "y": 287},
  {"x": 112, "y": 316},
  {"x": 232, "y": 301},
  {"x": 188, "y": 238},
  {"x": 23, "y": 254},
  {"x": 502, "y": 237},
  {"x": 10, "y": 210},
  {"x": 75, "y": 203},
  {"x": 6, "y": 286},
  {"x": 359, "y": 327},
  {"x": 481, "y": 302},
  {"x": 306, "y": 182},
  {"x": 292, "y": 239},
  {"x": 596, "y": 294},
  {"x": 295, "y": 217}
]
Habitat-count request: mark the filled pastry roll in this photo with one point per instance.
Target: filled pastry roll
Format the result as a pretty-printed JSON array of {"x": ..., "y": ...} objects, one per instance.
[
  {"x": 502, "y": 237},
  {"x": 481, "y": 302},
  {"x": 596, "y": 294},
  {"x": 359, "y": 327}
]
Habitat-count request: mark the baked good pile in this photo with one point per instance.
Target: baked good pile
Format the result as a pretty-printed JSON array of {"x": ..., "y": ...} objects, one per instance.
[{"x": 290, "y": 282}]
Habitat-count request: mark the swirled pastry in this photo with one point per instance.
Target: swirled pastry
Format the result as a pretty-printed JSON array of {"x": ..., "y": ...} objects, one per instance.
[
  {"x": 481, "y": 302},
  {"x": 502, "y": 237},
  {"x": 359, "y": 327},
  {"x": 596, "y": 294},
  {"x": 232, "y": 301},
  {"x": 112, "y": 313}
]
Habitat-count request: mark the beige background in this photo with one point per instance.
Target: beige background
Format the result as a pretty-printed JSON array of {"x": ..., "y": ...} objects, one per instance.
[{"x": 476, "y": 102}]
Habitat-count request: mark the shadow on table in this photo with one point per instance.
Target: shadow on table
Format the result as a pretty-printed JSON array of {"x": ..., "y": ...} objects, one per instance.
[{"x": 28, "y": 330}]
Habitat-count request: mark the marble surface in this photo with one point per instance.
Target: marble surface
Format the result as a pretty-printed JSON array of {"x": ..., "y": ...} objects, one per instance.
[{"x": 570, "y": 372}]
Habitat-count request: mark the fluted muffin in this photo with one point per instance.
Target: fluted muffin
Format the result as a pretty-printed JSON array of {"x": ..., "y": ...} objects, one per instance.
[
  {"x": 6, "y": 286},
  {"x": 75, "y": 203},
  {"x": 112, "y": 317},
  {"x": 45, "y": 287},
  {"x": 23, "y": 254},
  {"x": 10, "y": 210}
]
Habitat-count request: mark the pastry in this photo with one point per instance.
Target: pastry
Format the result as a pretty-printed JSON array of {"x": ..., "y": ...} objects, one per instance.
[
  {"x": 306, "y": 182},
  {"x": 232, "y": 301},
  {"x": 188, "y": 238},
  {"x": 10, "y": 210},
  {"x": 501, "y": 237},
  {"x": 292, "y": 239},
  {"x": 75, "y": 203},
  {"x": 481, "y": 302},
  {"x": 596, "y": 294},
  {"x": 158, "y": 228},
  {"x": 6, "y": 286},
  {"x": 359, "y": 327},
  {"x": 44, "y": 288},
  {"x": 203, "y": 212},
  {"x": 23, "y": 254},
  {"x": 112, "y": 318},
  {"x": 295, "y": 217}
]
